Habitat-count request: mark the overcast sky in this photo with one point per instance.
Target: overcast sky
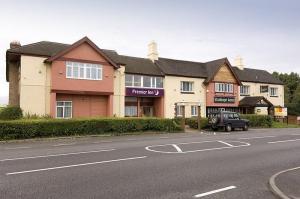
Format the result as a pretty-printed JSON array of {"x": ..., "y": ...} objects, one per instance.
[{"x": 266, "y": 33}]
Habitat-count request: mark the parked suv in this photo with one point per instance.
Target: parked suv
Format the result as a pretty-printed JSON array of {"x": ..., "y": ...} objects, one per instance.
[{"x": 227, "y": 120}]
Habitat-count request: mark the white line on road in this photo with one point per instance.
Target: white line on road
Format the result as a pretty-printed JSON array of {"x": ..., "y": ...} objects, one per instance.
[
  {"x": 281, "y": 141},
  {"x": 225, "y": 143},
  {"x": 64, "y": 144},
  {"x": 215, "y": 191},
  {"x": 249, "y": 138},
  {"x": 55, "y": 155},
  {"x": 163, "y": 137},
  {"x": 21, "y": 147},
  {"x": 177, "y": 148},
  {"x": 75, "y": 165}
]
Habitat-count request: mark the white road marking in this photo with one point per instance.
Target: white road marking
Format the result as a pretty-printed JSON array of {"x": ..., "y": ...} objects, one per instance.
[
  {"x": 149, "y": 148},
  {"x": 214, "y": 191},
  {"x": 249, "y": 138},
  {"x": 163, "y": 137},
  {"x": 21, "y": 147},
  {"x": 64, "y": 144},
  {"x": 226, "y": 143},
  {"x": 177, "y": 148},
  {"x": 75, "y": 165},
  {"x": 55, "y": 155},
  {"x": 131, "y": 139},
  {"x": 294, "y": 134},
  {"x": 281, "y": 141}
]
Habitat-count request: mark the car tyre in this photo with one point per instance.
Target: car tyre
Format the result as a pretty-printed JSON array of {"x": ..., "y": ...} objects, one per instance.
[
  {"x": 245, "y": 128},
  {"x": 228, "y": 127}
]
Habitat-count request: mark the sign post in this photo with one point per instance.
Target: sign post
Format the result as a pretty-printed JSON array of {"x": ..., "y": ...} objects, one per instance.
[
  {"x": 199, "y": 118},
  {"x": 183, "y": 119}
]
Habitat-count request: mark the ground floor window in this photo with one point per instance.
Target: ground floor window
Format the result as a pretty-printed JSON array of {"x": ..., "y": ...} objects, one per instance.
[
  {"x": 215, "y": 109},
  {"x": 194, "y": 110},
  {"x": 179, "y": 110},
  {"x": 64, "y": 109},
  {"x": 130, "y": 111}
]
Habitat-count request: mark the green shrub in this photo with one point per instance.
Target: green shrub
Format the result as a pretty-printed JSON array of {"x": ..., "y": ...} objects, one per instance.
[
  {"x": 11, "y": 113},
  {"x": 23, "y": 129},
  {"x": 193, "y": 122},
  {"x": 258, "y": 120}
]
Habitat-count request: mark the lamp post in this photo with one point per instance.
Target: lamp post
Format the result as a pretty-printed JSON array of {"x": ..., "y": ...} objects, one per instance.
[{"x": 199, "y": 117}]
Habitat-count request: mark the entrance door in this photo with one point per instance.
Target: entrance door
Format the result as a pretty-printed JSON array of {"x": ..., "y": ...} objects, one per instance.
[{"x": 148, "y": 111}]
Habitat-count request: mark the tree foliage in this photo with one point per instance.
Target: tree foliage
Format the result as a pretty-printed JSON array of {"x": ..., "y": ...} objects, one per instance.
[{"x": 291, "y": 91}]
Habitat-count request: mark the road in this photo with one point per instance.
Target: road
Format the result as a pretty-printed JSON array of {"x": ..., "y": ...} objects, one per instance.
[{"x": 184, "y": 165}]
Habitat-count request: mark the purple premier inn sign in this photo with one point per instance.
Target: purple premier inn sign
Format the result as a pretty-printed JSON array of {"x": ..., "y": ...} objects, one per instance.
[{"x": 144, "y": 92}]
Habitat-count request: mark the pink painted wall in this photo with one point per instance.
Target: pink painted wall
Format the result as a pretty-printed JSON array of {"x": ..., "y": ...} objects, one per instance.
[
  {"x": 83, "y": 53},
  {"x": 211, "y": 94},
  {"x": 87, "y": 105}
]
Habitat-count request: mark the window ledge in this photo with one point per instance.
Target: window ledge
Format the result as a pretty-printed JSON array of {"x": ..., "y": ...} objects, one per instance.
[
  {"x": 187, "y": 92},
  {"x": 273, "y": 95},
  {"x": 244, "y": 94}
]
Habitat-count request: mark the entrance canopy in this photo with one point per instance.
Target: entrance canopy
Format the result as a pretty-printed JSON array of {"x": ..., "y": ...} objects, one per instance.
[{"x": 256, "y": 101}]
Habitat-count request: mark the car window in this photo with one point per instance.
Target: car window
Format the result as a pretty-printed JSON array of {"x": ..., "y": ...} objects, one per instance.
[
  {"x": 236, "y": 116},
  {"x": 230, "y": 116}
]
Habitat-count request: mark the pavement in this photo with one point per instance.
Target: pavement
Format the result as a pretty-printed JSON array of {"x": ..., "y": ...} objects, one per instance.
[{"x": 163, "y": 166}]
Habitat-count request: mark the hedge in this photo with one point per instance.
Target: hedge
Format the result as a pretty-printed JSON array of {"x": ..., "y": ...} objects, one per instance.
[
  {"x": 11, "y": 113},
  {"x": 258, "y": 120},
  {"x": 23, "y": 129},
  {"x": 193, "y": 122}
]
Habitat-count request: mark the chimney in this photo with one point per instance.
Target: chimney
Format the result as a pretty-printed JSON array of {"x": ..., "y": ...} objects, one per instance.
[
  {"x": 238, "y": 62},
  {"x": 15, "y": 44},
  {"x": 152, "y": 51}
]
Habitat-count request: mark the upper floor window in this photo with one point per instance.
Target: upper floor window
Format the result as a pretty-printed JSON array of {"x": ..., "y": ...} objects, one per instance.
[
  {"x": 273, "y": 91},
  {"x": 224, "y": 87},
  {"x": 143, "y": 81},
  {"x": 88, "y": 71},
  {"x": 187, "y": 87},
  {"x": 245, "y": 90},
  {"x": 264, "y": 89}
]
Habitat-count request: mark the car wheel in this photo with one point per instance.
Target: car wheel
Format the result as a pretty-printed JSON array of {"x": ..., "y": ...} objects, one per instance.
[
  {"x": 214, "y": 128},
  {"x": 245, "y": 128},
  {"x": 228, "y": 127}
]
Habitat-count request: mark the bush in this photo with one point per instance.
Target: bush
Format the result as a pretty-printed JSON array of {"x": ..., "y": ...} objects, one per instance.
[
  {"x": 258, "y": 120},
  {"x": 11, "y": 113},
  {"x": 23, "y": 129},
  {"x": 193, "y": 122}
]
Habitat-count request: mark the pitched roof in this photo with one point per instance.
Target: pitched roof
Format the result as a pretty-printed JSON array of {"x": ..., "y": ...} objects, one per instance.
[
  {"x": 251, "y": 101},
  {"x": 145, "y": 66},
  {"x": 138, "y": 65},
  {"x": 181, "y": 67},
  {"x": 255, "y": 75}
]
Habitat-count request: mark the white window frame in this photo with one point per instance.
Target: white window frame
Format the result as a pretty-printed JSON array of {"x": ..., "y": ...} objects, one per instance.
[
  {"x": 179, "y": 110},
  {"x": 243, "y": 89},
  {"x": 153, "y": 82},
  {"x": 275, "y": 94},
  {"x": 63, "y": 106},
  {"x": 194, "y": 110},
  {"x": 85, "y": 66},
  {"x": 191, "y": 87},
  {"x": 223, "y": 87}
]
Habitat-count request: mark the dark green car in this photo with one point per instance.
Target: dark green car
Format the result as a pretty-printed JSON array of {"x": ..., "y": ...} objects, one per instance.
[{"x": 227, "y": 121}]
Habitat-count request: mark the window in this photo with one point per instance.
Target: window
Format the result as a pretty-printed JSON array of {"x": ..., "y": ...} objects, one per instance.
[
  {"x": 130, "y": 111},
  {"x": 63, "y": 109},
  {"x": 143, "y": 81},
  {"x": 273, "y": 92},
  {"x": 77, "y": 70},
  {"x": 224, "y": 87},
  {"x": 179, "y": 110},
  {"x": 187, "y": 87},
  {"x": 194, "y": 110},
  {"x": 245, "y": 90},
  {"x": 264, "y": 89}
]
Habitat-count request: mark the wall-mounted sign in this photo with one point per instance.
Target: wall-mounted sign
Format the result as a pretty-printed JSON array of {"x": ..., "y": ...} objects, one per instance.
[
  {"x": 144, "y": 92},
  {"x": 224, "y": 99}
]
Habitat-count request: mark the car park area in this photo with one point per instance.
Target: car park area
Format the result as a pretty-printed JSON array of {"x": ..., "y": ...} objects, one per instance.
[{"x": 184, "y": 165}]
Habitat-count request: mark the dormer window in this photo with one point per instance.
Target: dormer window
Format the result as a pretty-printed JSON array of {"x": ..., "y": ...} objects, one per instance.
[{"x": 88, "y": 71}]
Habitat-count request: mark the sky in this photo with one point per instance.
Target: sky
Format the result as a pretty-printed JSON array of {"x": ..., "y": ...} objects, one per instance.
[{"x": 265, "y": 33}]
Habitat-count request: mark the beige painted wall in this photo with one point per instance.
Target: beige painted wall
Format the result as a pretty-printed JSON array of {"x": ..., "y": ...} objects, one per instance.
[
  {"x": 173, "y": 95},
  {"x": 255, "y": 91},
  {"x": 119, "y": 92},
  {"x": 35, "y": 85}
]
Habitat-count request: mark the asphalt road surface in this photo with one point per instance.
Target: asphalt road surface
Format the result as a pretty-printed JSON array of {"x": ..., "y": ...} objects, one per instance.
[{"x": 170, "y": 166}]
